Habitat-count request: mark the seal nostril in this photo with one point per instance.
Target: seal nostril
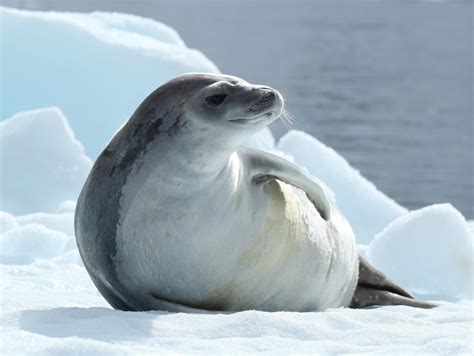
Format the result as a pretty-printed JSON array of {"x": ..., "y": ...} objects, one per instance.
[
  {"x": 268, "y": 95},
  {"x": 267, "y": 98}
]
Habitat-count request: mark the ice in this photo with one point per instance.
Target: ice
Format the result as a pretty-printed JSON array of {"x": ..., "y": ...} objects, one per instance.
[
  {"x": 38, "y": 236},
  {"x": 96, "y": 67},
  {"x": 27, "y": 243},
  {"x": 263, "y": 140},
  {"x": 62, "y": 222},
  {"x": 7, "y": 222},
  {"x": 430, "y": 251},
  {"x": 42, "y": 162},
  {"x": 470, "y": 223},
  {"x": 365, "y": 207},
  {"x": 67, "y": 206}
]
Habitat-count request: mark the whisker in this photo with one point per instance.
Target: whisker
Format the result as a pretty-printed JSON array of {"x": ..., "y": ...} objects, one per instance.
[
  {"x": 285, "y": 123},
  {"x": 286, "y": 117},
  {"x": 289, "y": 116}
]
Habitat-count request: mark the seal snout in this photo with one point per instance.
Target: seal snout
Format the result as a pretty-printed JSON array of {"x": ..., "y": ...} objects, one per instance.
[{"x": 267, "y": 99}]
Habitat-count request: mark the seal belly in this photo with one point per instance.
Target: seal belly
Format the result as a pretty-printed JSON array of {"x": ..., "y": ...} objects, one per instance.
[
  {"x": 296, "y": 250},
  {"x": 291, "y": 259}
]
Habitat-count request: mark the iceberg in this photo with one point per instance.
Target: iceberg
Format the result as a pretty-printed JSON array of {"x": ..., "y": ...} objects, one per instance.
[
  {"x": 42, "y": 162},
  {"x": 430, "y": 251},
  {"x": 24, "y": 244},
  {"x": 96, "y": 67},
  {"x": 28, "y": 238}
]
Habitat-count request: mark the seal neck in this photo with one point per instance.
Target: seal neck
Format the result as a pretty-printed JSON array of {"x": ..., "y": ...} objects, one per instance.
[{"x": 194, "y": 157}]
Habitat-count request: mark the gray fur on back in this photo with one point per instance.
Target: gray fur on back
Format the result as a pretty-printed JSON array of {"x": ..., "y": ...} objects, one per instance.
[{"x": 98, "y": 206}]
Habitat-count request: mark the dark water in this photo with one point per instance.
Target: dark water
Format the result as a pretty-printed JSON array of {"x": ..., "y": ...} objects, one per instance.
[{"x": 388, "y": 84}]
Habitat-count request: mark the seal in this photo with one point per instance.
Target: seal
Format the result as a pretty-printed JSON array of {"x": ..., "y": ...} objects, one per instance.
[{"x": 177, "y": 215}]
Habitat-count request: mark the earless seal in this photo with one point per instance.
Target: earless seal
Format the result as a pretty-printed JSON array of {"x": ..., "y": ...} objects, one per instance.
[{"x": 176, "y": 215}]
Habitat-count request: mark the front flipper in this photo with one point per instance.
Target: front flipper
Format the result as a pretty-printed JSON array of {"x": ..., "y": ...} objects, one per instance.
[
  {"x": 374, "y": 288},
  {"x": 264, "y": 166}
]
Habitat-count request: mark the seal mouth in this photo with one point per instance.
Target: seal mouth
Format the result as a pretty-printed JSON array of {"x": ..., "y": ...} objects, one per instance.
[
  {"x": 255, "y": 119},
  {"x": 264, "y": 110}
]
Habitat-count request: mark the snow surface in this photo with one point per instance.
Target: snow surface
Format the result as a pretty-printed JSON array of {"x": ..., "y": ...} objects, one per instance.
[
  {"x": 49, "y": 304},
  {"x": 54, "y": 309}
]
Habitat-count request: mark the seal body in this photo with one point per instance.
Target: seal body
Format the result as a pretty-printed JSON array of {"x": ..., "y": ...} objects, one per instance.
[
  {"x": 176, "y": 215},
  {"x": 221, "y": 242}
]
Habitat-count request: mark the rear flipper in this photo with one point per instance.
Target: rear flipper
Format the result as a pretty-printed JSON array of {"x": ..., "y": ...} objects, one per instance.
[{"x": 374, "y": 288}]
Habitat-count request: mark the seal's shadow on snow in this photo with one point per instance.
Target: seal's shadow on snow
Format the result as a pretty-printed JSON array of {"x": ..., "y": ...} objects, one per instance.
[{"x": 91, "y": 323}]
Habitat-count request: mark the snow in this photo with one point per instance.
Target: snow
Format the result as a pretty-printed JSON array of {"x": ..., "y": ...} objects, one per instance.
[
  {"x": 49, "y": 304},
  {"x": 364, "y": 206},
  {"x": 77, "y": 320},
  {"x": 55, "y": 309},
  {"x": 424, "y": 247},
  {"x": 38, "y": 236},
  {"x": 42, "y": 162},
  {"x": 26, "y": 243}
]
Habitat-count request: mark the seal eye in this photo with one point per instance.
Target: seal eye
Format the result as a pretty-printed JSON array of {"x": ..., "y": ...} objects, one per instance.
[{"x": 216, "y": 100}]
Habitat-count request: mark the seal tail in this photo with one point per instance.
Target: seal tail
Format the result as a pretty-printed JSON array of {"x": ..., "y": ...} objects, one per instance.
[{"x": 374, "y": 288}]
